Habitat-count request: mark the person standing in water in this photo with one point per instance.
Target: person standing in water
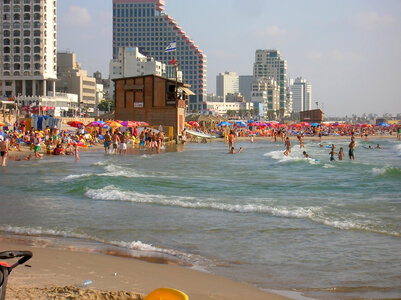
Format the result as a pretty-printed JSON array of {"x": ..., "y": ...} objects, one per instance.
[
  {"x": 351, "y": 146},
  {"x": 288, "y": 146},
  {"x": 3, "y": 150},
  {"x": 341, "y": 154}
]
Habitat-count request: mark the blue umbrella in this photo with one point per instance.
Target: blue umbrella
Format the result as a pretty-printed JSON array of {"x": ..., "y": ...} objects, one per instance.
[
  {"x": 224, "y": 124},
  {"x": 384, "y": 124},
  {"x": 315, "y": 124},
  {"x": 240, "y": 123}
]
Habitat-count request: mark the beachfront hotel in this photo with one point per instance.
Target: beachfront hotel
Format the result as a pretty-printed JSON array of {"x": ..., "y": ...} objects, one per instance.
[
  {"x": 144, "y": 24},
  {"x": 28, "y": 52},
  {"x": 227, "y": 83},
  {"x": 268, "y": 63}
]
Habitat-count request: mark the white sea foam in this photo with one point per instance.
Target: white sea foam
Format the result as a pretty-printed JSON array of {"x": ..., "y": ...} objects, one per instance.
[
  {"x": 294, "y": 156},
  {"x": 313, "y": 213},
  {"x": 397, "y": 149},
  {"x": 39, "y": 231},
  {"x": 387, "y": 170},
  {"x": 378, "y": 171},
  {"x": 327, "y": 166}
]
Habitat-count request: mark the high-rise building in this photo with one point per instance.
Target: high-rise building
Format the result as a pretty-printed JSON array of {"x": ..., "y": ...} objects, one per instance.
[
  {"x": 144, "y": 24},
  {"x": 227, "y": 83},
  {"x": 268, "y": 63},
  {"x": 301, "y": 94},
  {"x": 245, "y": 86},
  {"x": 28, "y": 43}
]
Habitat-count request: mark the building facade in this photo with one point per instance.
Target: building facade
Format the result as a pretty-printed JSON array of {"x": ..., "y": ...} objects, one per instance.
[
  {"x": 72, "y": 79},
  {"x": 268, "y": 63},
  {"x": 144, "y": 24},
  {"x": 131, "y": 63},
  {"x": 28, "y": 47},
  {"x": 245, "y": 86},
  {"x": 227, "y": 83},
  {"x": 301, "y": 94},
  {"x": 266, "y": 91}
]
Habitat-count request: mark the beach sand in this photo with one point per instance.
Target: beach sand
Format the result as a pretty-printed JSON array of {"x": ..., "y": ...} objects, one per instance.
[{"x": 59, "y": 274}]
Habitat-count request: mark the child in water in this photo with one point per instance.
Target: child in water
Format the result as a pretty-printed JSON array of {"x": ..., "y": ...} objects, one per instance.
[{"x": 341, "y": 154}]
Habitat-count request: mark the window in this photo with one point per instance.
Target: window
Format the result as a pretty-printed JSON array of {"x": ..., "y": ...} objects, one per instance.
[
  {"x": 17, "y": 17},
  {"x": 27, "y": 33},
  {"x": 17, "y": 58},
  {"x": 27, "y": 17},
  {"x": 27, "y": 49},
  {"x": 27, "y": 41},
  {"x": 36, "y": 17},
  {"x": 6, "y": 58},
  {"x": 6, "y": 42},
  {"x": 17, "y": 49},
  {"x": 27, "y": 8},
  {"x": 36, "y": 57},
  {"x": 6, "y": 17},
  {"x": 16, "y": 24},
  {"x": 16, "y": 33},
  {"x": 6, "y": 1},
  {"x": 27, "y": 66},
  {"x": 6, "y": 67},
  {"x": 27, "y": 58},
  {"x": 36, "y": 33},
  {"x": 36, "y": 49},
  {"x": 17, "y": 66},
  {"x": 7, "y": 50}
]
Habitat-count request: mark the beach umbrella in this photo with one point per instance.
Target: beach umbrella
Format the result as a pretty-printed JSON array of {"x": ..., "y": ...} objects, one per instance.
[
  {"x": 3, "y": 124},
  {"x": 305, "y": 124},
  {"x": 95, "y": 124},
  {"x": 384, "y": 124},
  {"x": 143, "y": 124},
  {"x": 187, "y": 124},
  {"x": 129, "y": 124},
  {"x": 240, "y": 123},
  {"x": 315, "y": 124},
  {"x": 193, "y": 123},
  {"x": 224, "y": 124},
  {"x": 75, "y": 124},
  {"x": 114, "y": 124}
]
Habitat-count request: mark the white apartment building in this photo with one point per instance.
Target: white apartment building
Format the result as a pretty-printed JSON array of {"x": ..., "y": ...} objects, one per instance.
[
  {"x": 131, "y": 63},
  {"x": 301, "y": 94},
  {"x": 268, "y": 63},
  {"x": 267, "y": 92},
  {"x": 227, "y": 83},
  {"x": 221, "y": 108},
  {"x": 28, "y": 43}
]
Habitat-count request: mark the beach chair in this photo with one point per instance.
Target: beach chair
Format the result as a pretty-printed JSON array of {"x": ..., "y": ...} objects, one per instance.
[{"x": 166, "y": 294}]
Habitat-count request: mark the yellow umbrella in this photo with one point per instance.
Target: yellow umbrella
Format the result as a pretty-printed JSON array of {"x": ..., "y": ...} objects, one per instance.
[{"x": 114, "y": 124}]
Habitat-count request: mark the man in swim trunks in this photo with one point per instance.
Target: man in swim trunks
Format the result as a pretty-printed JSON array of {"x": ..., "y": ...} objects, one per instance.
[
  {"x": 351, "y": 146},
  {"x": 106, "y": 142},
  {"x": 116, "y": 140},
  {"x": 3, "y": 150}
]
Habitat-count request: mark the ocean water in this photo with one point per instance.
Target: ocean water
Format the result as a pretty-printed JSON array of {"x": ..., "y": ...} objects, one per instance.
[{"x": 324, "y": 229}]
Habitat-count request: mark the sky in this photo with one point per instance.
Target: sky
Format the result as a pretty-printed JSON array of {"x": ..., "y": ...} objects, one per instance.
[{"x": 349, "y": 50}]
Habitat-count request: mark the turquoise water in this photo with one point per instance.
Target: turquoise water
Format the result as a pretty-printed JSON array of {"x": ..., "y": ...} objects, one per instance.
[{"x": 324, "y": 229}]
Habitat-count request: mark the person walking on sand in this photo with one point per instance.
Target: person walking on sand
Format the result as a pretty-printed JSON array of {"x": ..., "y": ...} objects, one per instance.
[
  {"x": 3, "y": 150},
  {"x": 287, "y": 146},
  {"x": 351, "y": 146}
]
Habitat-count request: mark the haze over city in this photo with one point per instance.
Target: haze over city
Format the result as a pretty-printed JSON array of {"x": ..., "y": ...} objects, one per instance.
[{"x": 348, "y": 50}]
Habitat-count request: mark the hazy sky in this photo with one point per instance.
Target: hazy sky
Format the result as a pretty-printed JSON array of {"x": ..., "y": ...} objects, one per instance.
[{"x": 350, "y": 50}]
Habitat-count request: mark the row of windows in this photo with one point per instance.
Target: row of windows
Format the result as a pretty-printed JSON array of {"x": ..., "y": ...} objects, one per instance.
[
  {"x": 24, "y": 1},
  {"x": 36, "y": 41},
  {"x": 133, "y": 5},
  {"x": 17, "y": 73},
  {"x": 18, "y": 49},
  {"x": 135, "y": 12},
  {"x": 16, "y": 58},
  {"x": 17, "y": 66},
  {"x": 18, "y": 25},
  {"x": 17, "y": 17},
  {"x": 26, "y": 8}
]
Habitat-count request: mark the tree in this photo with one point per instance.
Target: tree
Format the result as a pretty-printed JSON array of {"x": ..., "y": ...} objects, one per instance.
[{"x": 106, "y": 105}]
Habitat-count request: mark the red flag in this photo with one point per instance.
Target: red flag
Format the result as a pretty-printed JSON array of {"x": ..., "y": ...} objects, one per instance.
[{"x": 172, "y": 62}]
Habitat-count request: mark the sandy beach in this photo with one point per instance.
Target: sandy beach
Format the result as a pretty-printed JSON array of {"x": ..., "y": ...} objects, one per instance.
[{"x": 58, "y": 274}]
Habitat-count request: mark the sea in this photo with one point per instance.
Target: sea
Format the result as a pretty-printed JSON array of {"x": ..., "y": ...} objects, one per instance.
[{"x": 315, "y": 228}]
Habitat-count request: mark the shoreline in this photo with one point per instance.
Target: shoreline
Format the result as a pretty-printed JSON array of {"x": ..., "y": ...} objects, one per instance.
[{"x": 56, "y": 272}]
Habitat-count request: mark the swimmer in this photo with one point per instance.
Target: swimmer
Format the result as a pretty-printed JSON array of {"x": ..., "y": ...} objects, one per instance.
[
  {"x": 232, "y": 150},
  {"x": 306, "y": 155},
  {"x": 332, "y": 153},
  {"x": 378, "y": 146}
]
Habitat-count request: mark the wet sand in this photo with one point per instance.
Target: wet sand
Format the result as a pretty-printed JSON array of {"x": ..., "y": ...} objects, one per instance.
[{"x": 59, "y": 274}]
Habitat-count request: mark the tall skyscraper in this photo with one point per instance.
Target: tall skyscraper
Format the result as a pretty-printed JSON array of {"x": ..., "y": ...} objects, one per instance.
[
  {"x": 227, "y": 83},
  {"x": 28, "y": 47},
  {"x": 143, "y": 23},
  {"x": 301, "y": 94},
  {"x": 268, "y": 63}
]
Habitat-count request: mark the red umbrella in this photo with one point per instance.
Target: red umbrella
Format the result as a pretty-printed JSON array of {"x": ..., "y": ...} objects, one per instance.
[
  {"x": 143, "y": 124},
  {"x": 193, "y": 123},
  {"x": 75, "y": 124},
  {"x": 129, "y": 124}
]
